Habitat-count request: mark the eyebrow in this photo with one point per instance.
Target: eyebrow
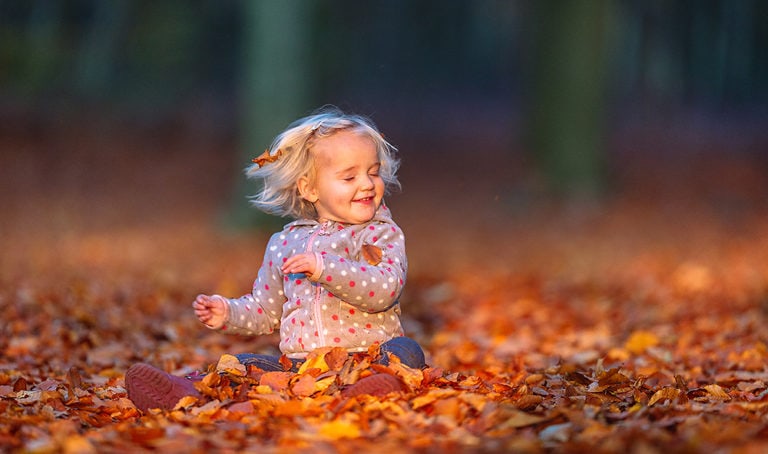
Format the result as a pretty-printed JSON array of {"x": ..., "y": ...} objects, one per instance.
[{"x": 351, "y": 168}]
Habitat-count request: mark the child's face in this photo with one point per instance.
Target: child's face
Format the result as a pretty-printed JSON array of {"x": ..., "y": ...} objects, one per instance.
[{"x": 347, "y": 186}]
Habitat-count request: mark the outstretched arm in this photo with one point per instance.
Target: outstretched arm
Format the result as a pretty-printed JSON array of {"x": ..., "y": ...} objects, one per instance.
[{"x": 211, "y": 310}]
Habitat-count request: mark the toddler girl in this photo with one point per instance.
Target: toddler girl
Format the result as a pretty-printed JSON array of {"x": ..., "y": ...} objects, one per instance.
[{"x": 333, "y": 276}]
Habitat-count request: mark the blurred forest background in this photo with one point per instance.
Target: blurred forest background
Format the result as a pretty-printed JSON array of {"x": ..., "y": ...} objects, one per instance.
[{"x": 117, "y": 112}]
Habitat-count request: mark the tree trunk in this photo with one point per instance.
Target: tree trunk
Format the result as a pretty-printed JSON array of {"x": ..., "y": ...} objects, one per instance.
[
  {"x": 274, "y": 89},
  {"x": 566, "y": 86}
]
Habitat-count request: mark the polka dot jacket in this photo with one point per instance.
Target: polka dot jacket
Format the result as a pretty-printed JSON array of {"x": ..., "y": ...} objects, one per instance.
[{"x": 351, "y": 304}]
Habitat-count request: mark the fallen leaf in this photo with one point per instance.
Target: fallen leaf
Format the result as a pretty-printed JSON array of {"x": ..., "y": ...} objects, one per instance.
[
  {"x": 640, "y": 341},
  {"x": 276, "y": 381},
  {"x": 336, "y": 430},
  {"x": 229, "y": 364},
  {"x": 664, "y": 394},
  {"x": 717, "y": 392}
]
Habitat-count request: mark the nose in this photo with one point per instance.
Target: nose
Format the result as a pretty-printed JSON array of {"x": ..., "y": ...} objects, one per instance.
[{"x": 367, "y": 183}]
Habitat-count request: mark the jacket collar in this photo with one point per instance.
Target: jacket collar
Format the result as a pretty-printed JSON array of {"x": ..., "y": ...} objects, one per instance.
[{"x": 382, "y": 215}]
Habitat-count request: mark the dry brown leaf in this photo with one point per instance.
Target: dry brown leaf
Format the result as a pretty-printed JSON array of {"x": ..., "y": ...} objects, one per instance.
[
  {"x": 528, "y": 402},
  {"x": 304, "y": 386},
  {"x": 229, "y": 364},
  {"x": 664, "y": 394},
  {"x": 372, "y": 254},
  {"x": 717, "y": 392},
  {"x": 277, "y": 381}
]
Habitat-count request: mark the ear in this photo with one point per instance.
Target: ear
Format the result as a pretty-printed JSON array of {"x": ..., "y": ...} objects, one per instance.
[{"x": 307, "y": 191}]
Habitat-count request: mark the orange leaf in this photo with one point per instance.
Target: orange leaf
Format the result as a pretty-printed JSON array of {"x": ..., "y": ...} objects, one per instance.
[
  {"x": 304, "y": 386},
  {"x": 717, "y": 392},
  {"x": 336, "y": 358},
  {"x": 278, "y": 381},
  {"x": 231, "y": 365},
  {"x": 528, "y": 402},
  {"x": 336, "y": 430},
  {"x": 664, "y": 394},
  {"x": 315, "y": 360},
  {"x": 372, "y": 254},
  {"x": 266, "y": 158},
  {"x": 640, "y": 341},
  {"x": 241, "y": 407}
]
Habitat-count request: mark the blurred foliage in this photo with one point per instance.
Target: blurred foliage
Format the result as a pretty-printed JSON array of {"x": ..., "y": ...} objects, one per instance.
[
  {"x": 707, "y": 52},
  {"x": 573, "y": 69}
]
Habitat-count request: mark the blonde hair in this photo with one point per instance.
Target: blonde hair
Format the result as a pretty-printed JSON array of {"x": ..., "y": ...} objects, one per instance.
[{"x": 279, "y": 193}]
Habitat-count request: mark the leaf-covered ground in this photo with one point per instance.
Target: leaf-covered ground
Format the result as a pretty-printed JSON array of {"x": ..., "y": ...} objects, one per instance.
[{"x": 635, "y": 326}]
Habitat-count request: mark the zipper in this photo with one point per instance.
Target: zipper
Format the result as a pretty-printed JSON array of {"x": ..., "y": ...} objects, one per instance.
[{"x": 318, "y": 291}]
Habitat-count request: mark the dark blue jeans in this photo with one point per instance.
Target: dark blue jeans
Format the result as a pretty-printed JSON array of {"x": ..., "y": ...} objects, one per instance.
[{"x": 406, "y": 349}]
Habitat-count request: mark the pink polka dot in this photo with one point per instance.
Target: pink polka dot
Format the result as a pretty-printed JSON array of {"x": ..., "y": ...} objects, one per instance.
[
  {"x": 293, "y": 321},
  {"x": 335, "y": 317},
  {"x": 329, "y": 278},
  {"x": 368, "y": 325},
  {"x": 375, "y": 239},
  {"x": 370, "y": 227},
  {"x": 391, "y": 246},
  {"x": 298, "y": 302},
  {"x": 270, "y": 263},
  {"x": 352, "y": 311},
  {"x": 392, "y": 294},
  {"x": 285, "y": 259},
  {"x": 260, "y": 311},
  {"x": 298, "y": 281},
  {"x": 371, "y": 293},
  {"x": 352, "y": 330},
  {"x": 330, "y": 295},
  {"x": 285, "y": 242},
  {"x": 266, "y": 286},
  {"x": 351, "y": 283},
  {"x": 317, "y": 334},
  {"x": 342, "y": 260},
  {"x": 302, "y": 323},
  {"x": 362, "y": 268},
  {"x": 337, "y": 340}
]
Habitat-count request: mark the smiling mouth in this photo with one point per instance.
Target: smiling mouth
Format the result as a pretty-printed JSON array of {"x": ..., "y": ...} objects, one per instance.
[{"x": 364, "y": 200}]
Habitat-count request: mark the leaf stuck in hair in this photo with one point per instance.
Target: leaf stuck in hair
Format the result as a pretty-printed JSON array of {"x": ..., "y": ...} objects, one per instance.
[{"x": 266, "y": 158}]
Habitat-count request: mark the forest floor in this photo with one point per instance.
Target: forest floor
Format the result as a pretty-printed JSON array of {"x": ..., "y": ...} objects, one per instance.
[{"x": 632, "y": 324}]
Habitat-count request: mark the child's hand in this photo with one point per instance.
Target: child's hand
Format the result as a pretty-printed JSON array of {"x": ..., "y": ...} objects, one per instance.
[
  {"x": 301, "y": 263},
  {"x": 211, "y": 310}
]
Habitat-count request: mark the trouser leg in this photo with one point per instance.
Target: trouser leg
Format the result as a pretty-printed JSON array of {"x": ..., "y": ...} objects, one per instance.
[
  {"x": 269, "y": 363},
  {"x": 406, "y": 349}
]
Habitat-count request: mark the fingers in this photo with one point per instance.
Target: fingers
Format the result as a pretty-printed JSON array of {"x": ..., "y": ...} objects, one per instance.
[{"x": 300, "y": 263}]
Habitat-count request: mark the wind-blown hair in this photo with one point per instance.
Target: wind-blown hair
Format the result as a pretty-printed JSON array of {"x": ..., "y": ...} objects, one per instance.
[{"x": 279, "y": 193}]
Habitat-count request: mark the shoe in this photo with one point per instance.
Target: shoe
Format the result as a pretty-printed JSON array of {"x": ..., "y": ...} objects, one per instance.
[{"x": 149, "y": 387}]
